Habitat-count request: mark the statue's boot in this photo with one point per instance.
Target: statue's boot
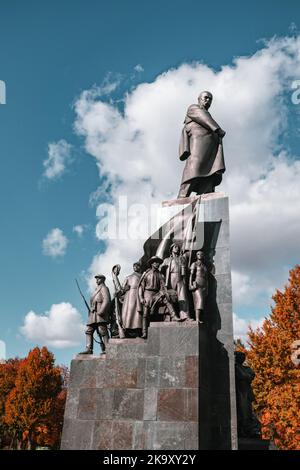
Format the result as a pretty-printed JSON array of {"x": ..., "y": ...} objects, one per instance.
[
  {"x": 121, "y": 332},
  {"x": 86, "y": 351},
  {"x": 173, "y": 314},
  {"x": 105, "y": 340},
  {"x": 199, "y": 314},
  {"x": 185, "y": 316},
  {"x": 144, "y": 328},
  {"x": 190, "y": 320},
  {"x": 89, "y": 345},
  {"x": 184, "y": 313}
]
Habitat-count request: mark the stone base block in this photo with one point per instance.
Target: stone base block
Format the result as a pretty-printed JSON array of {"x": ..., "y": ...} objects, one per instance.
[{"x": 140, "y": 395}]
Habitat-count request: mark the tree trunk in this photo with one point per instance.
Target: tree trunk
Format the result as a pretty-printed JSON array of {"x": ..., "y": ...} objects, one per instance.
[{"x": 13, "y": 440}]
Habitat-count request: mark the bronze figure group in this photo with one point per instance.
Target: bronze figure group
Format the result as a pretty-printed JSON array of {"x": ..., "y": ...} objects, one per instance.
[
  {"x": 170, "y": 287},
  {"x": 161, "y": 292}
]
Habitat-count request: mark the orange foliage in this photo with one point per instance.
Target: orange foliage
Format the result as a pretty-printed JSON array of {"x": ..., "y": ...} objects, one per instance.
[
  {"x": 34, "y": 406},
  {"x": 8, "y": 373},
  {"x": 277, "y": 381}
]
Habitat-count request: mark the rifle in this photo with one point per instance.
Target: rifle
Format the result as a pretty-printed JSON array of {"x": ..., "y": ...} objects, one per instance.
[
  {"x": 115, "y": 272},
  {"x": 84, "y": 299},
  {"x": 89, "y": 310}
]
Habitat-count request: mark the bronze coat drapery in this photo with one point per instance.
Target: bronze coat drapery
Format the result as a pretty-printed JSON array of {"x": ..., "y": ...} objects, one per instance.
[
  {"x": 175, "y": 267},
  {"x": 132, "y": 309},
  {"x": 201, "y": 146},
  {"x": 100, "y": 306}
]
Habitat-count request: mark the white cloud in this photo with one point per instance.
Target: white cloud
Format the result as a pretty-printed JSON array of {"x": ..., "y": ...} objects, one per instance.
[
  {"x": 55, "y": 243},
  {"x": 2, "y": 352},
  {"x": 241, "y": 327},
  {"x": 139, "y": 68},
  {"x": 137, "y": 150},
  {"x": 59, "y": 156},
  {"x": 256, "y": 287},
  {"x": 79, "y": 229},
  {"x": 61, "y": 327}
]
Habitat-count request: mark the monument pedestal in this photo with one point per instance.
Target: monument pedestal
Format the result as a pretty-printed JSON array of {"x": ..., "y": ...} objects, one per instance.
[
  {"x": 140, "y": 395},
  {"x": 176, "y": 390}
]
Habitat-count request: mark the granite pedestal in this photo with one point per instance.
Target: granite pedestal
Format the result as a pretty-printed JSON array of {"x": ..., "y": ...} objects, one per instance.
[{"x": 142, "y": 395}]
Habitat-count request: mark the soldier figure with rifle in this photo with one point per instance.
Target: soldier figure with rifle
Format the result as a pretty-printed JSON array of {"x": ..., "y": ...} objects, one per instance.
[{"x": 99, "y": 315}]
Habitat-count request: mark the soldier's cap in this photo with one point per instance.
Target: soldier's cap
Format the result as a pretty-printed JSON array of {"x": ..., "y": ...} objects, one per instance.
[
  {"x": 154, "y": 259},
  {"x": 100, "y": 276}
]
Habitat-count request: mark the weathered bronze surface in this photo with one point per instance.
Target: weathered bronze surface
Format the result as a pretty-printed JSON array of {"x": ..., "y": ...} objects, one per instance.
[
  {"x": 153, "y": 292},
  {"x": 175, "y": 269},
  {"x": 99, "y": 315},
  {"x": 248, "y": 424},
  {"x": 198, "y": 284},
  {"x": 132, "y": 308},
  {"x": 202, "y": 149}
]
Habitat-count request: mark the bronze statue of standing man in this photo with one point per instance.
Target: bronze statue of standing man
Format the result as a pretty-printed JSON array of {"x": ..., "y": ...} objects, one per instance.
[
  {"x": 198, "y": 284},
  {"x": 248, "y": 424},
  {"x": 132, "y": 309},
  {"x": 152, "y": 291},
  {"x": 99, "y": 315},
  {"x": 201, "y": 147},
  {"x": 176, "y": 270}
]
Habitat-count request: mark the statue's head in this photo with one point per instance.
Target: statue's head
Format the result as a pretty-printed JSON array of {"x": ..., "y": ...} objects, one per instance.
[
  {"x": 155, "y": 262},
  {"x": 100, "y": 279},
  {"x": 200, "y": 255},
  {"x": 175, "y": 248},
  {"x": 137, "y": 267},
  {"x": 240, "y": 357},
  {"x": 205, "y": 99}
]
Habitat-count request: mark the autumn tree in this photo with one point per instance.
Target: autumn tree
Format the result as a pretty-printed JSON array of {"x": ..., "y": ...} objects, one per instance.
[
  {"x": 49, "y": 433},
  {"x": 33, "y": 403},
  {"x": 239, "y": 345},
  {"x": 8, "y": 373},
  {"x": 273, "y": 356}
]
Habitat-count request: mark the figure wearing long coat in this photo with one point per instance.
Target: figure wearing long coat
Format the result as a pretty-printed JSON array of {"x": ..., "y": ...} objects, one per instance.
[
  {"x": 175, "y": 267},
  {"x": 248, "y": 424},
  {"x": 201, "y": 147},
  {"x": 100, "y": 306},
  {"x": 99, "y": 316},
  {"x": 198, "y": 284},
  {"x": 132, "y": 310}
]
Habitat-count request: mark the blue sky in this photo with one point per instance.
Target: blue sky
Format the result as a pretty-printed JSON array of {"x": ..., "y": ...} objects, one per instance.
[{"x": 50, "y": 52}]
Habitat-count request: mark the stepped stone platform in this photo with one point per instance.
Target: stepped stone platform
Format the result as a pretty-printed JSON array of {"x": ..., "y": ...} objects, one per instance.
[{"x": 140, "y": 395}]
